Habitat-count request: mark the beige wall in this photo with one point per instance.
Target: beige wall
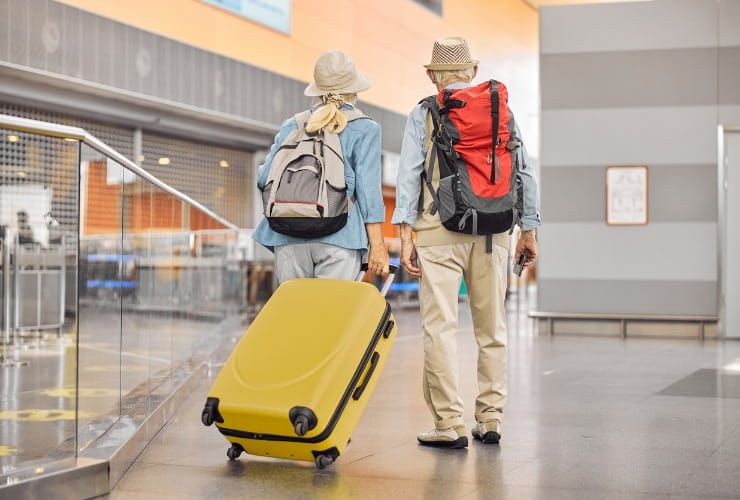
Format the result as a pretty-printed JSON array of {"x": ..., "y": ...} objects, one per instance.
[{"x": 389, "y": 40}]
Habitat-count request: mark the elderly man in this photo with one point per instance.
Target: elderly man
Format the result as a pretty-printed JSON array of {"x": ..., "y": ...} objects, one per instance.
[{"x": 464, "y": 182}]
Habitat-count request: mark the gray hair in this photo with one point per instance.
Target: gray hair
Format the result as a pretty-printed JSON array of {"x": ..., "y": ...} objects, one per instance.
[{"x": 445, "y": 77}]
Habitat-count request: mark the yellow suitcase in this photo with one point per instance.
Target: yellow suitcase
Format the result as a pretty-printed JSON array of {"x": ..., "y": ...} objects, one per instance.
[{"x": 299, "y": 379}]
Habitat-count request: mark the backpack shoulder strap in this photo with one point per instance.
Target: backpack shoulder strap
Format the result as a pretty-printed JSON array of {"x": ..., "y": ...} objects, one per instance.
[
  {"x": 302, "y": 119},
  {"x": 430, "y": 104},
  {"x": 427, "y": 174}
]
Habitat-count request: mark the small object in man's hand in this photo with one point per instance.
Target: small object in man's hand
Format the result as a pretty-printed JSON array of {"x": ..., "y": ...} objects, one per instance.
[{"x": 519, "y": 266}]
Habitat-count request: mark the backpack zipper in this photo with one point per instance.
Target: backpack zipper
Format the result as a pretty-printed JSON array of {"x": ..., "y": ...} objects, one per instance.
[{"x": 494, "y": 161}]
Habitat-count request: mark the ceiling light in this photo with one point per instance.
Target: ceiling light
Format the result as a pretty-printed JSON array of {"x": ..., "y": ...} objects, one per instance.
[
  {"x": 21, "y": 173},
  {"x": 223, "y": 164},
  {"x": 142, "y": 158},
  {"x": 164, "y": 161},
  {"x": 13, "y": 138}
]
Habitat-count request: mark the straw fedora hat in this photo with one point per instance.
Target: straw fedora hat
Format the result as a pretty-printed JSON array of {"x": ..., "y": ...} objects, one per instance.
[
  {"x": 335, "y": 73},
  {"x": 450, "y": 54}
]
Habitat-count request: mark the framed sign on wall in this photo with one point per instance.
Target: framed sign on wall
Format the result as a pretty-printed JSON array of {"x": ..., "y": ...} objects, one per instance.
[{"x": 627, "y": 195}]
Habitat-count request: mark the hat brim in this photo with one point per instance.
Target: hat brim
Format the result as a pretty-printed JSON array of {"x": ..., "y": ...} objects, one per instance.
[
  {"x": 451, "y": 67},
  {"x": 361, "y": 84}
]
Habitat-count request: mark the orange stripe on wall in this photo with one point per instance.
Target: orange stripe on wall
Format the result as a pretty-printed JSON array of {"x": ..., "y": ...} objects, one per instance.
[{"x": 389, "y": 39}]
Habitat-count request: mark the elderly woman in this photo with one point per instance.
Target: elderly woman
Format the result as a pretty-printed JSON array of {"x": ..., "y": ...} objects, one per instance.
[{"x": 339, "y": 254}]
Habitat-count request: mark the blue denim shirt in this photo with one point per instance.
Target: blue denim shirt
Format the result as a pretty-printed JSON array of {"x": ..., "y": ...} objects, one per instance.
[
  {"x": 411, "y": 164},
  {"x": 361, "y": 147}
]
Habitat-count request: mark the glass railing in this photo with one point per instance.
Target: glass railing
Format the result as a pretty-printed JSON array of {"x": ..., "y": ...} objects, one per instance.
[{"x": 113, "y": 287}]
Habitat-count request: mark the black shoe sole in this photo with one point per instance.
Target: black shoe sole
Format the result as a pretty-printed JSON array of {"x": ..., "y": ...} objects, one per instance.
[
  {"x": 490, "y": 437},
  {"x": 461, "y": 442}
]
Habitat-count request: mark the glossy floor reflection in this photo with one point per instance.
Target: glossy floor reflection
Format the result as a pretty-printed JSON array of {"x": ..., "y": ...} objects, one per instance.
[
  {"x": 38, "y": 400},
  {"x": 584, "y": 420}
]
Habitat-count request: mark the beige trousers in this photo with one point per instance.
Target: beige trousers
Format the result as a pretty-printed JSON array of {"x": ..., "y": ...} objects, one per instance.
[{"x": 443, "y": 267}]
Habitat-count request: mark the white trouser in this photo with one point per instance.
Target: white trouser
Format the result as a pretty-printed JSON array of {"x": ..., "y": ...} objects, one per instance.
[{"x": 316, "y": 260}]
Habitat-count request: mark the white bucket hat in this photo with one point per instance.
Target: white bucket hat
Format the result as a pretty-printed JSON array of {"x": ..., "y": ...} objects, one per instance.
[
  {"x": 335, "y": 73},
  {"x": 450, "y": 54}
]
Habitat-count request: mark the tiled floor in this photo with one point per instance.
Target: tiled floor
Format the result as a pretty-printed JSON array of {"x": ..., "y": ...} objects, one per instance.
[{"x": 584, "y": 421}]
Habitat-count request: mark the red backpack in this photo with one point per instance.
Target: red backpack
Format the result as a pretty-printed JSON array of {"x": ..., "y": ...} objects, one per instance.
[{"x": 476, "y": 151}]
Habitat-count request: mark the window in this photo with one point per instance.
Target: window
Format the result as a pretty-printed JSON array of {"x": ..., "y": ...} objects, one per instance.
[{"x": 433, "y": 5}]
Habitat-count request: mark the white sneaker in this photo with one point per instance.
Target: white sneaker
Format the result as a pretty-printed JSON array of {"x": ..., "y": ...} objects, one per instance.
[
  {"x": 453, "y": 437},
  {"x": 488, "y": 433}
]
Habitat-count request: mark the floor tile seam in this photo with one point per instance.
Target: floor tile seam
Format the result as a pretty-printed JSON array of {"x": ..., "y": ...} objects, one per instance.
[
  {"x": 119, "y": 489},
  {"x": 355, "y": 460},
  {"x": 725, "y": 440},
  {"x": 700, "y": 497},
  {"x": 519, "y": 464},
  {"x": 380, "y": 476},
  {"x": 652, "y": 495},
  {"x": 604, "y": 489}
]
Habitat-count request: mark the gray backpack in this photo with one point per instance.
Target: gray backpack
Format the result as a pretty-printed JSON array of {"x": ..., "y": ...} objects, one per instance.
[{"x": 305, "y": 195}]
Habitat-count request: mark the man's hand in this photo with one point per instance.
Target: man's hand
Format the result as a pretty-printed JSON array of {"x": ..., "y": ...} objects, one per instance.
[
  {"x": 409, "y": 259},
  {"x": 528, "y": 244}
]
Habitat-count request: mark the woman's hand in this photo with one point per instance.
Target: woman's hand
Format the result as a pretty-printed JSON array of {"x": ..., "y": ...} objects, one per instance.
[{"x": 377, "y": 260}]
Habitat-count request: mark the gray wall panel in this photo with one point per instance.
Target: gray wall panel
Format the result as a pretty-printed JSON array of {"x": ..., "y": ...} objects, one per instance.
[
  {"x": 659, "y": 24},
  {"x": 681, "y": 77},
  {"x": 618, "y": 136},
  {"x": 729, "y": 20},
  {"x": 677, "y": 193},
  {"x": 729, "y": 115},
  {"x": 558, "y": 204},
  {"x": 5, "y": 21},
  {"x": 52, "y": 37},
  {"x": 634, "y": 83},
  {"x": 729, "y": 75},
  {"x": 18, "y": 19},
  {"x": 628, "y": 297},
  {"x": 659, "y": 251}
]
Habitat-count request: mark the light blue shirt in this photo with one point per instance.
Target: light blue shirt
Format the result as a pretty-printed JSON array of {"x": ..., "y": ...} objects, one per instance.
[
  {"x": 411, "y": 165},
  {"x": 361, "y": 146}
]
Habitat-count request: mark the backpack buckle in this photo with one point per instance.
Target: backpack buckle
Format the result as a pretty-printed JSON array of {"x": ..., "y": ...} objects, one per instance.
[
  {"x": 489, "y": 160},
  {"x": 513, "y": 144}
]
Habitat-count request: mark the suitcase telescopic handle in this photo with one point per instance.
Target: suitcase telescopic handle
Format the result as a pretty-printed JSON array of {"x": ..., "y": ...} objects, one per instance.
[{"x": 388, "y": 281}]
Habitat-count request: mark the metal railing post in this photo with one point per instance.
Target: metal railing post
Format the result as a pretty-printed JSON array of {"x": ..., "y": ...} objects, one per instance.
[
  {"x": 5, "y": 359},
  {"x": 6, "y": 291}
]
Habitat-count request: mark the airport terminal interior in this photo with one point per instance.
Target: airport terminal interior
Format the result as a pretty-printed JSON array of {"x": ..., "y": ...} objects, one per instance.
[{"x": 131, "y": 134}]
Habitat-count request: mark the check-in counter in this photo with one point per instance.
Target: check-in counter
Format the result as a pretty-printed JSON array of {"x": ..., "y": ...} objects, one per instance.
[{"x": 32, "y": 295}]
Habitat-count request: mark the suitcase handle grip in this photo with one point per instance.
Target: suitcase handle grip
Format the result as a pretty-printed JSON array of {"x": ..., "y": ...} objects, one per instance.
[
  {"x": 388, "y": 281},
  {"x": 361, "y": 388}
]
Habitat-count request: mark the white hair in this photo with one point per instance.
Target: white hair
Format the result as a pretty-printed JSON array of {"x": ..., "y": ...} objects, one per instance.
[{"x": 446, "y": 77}]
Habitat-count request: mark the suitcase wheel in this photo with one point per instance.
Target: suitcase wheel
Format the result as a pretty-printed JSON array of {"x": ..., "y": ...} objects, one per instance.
[
  {"x": 234, "y": 452},
  {"x": 210, "y": 413},
  {"x": 303, "y": 419},
  {"x": 324, "y": 461},
  {"x": 301, "y": 425}
]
